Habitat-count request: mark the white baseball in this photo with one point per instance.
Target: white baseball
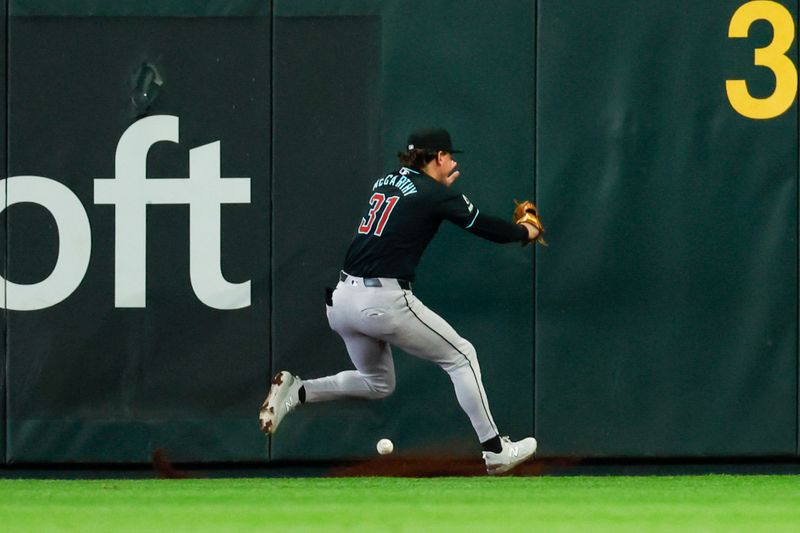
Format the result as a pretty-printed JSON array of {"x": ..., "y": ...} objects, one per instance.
[{"x": 385, "y": 447}]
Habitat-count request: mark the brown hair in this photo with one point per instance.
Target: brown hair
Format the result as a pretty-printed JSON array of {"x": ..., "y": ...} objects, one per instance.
[{"x": 417, "y": 157}]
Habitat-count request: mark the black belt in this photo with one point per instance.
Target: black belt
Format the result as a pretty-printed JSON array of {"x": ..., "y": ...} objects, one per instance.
[{"x": 376, "y": 282}]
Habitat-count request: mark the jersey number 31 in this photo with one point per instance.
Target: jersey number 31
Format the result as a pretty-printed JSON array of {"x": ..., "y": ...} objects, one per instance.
[{"x": 377, "y": 201}]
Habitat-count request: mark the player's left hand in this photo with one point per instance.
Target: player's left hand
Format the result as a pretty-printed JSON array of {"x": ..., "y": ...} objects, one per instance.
[{"x": 451, "y": 178}]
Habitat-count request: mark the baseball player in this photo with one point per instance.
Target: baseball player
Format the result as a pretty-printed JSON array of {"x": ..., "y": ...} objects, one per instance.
[{"x": 373, "y": 307}]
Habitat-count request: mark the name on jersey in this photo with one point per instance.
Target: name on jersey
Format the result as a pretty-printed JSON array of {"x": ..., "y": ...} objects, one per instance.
[{"x": 403, "y": 183}]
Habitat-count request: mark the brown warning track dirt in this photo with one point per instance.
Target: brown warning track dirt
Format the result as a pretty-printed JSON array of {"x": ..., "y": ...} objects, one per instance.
[{"x": 439, "y": 467}]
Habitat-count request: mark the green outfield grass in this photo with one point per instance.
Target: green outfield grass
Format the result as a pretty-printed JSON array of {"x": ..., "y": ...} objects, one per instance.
[{"x": 687, "y": 503}]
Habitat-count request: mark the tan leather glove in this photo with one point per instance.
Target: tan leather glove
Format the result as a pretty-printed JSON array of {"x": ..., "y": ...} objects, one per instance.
[{"x": 526, "y": 212}]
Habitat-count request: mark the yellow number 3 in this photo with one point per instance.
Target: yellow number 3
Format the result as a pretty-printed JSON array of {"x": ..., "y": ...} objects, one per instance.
[{"x": 772, "y": 56}]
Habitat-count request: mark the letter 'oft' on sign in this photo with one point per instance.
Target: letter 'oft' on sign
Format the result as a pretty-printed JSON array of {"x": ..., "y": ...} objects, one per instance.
[{"x": 130, "y": 192}]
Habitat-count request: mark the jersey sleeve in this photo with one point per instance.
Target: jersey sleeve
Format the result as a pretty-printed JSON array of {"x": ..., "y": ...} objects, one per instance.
[
  {"x": 498, "y": 230},
  {"x": 459, "y": 210}
]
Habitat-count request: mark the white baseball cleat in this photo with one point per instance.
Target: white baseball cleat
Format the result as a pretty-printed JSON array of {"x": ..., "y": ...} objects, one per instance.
[
  {"x": 282, "y": 399},
  {"x": 512, "y": 455}
]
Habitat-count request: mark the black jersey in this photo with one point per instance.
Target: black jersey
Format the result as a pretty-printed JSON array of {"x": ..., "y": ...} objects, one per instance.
[{"x": 405, "y": 210}]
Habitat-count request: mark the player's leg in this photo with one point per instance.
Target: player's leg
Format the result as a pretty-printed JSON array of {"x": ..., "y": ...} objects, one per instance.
[
  {"x": 423, "y": 333},
  {"x": 373, "y": 378}
]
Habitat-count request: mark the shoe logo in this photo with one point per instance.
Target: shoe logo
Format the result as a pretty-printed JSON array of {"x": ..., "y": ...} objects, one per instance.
[
  {"x": 288, "y": 404},
  {"x": 515, "y": 451}
]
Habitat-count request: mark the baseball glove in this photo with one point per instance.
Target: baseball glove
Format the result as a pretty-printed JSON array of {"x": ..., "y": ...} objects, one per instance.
[{"x": 526, "y": 212}]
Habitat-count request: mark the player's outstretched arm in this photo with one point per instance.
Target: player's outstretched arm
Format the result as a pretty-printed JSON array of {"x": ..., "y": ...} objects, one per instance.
[
  {"x": 498, "y": 230},
  {"x": 524, "y": 227}
]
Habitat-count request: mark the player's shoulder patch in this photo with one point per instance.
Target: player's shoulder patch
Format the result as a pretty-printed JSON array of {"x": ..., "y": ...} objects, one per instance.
[{"x": 470, "y": 207}]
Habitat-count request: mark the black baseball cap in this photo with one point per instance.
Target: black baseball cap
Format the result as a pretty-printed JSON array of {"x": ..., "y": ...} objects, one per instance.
[{"x": 435, "y": 139}]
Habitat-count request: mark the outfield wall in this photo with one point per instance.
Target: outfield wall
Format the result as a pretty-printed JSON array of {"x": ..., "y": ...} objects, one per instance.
[{"x": 184, "y": 183}]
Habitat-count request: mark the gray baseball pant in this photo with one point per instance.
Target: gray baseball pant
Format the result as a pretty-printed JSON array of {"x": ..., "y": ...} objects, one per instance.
[{"x": 371, "y": 320}]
